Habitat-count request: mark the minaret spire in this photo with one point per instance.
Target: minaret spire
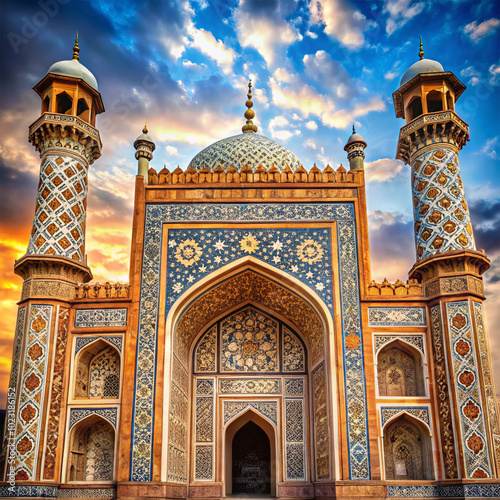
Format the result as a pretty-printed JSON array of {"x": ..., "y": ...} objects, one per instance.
[
  {"x": 421, "y": 52},
  {"x": 76, "y": 49},
  {"x": 249, "y": 113}
]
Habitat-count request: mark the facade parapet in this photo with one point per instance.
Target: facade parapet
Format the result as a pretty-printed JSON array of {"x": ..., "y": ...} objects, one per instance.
[
  {"x": 106, "y": 291},
  {"x": 259, "y": 175},
  {"x": 412, "y": 288}
]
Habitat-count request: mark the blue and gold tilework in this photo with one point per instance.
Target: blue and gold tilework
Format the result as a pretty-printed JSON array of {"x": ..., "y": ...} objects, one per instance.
[
  {"x": 302, "y": 252},
  {"x": 442, "y": 220},
  {"x": 189, "y": 260},
  {"x": 60, "y": 213},
  {"x": 467, "y": 391}
]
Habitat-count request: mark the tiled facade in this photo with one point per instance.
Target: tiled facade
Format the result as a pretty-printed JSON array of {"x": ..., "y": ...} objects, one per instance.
[{"x": 251, "y": 302}]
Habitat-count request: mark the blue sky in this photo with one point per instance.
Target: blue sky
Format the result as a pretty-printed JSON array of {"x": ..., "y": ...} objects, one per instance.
[{"x": 317, "y": 68}]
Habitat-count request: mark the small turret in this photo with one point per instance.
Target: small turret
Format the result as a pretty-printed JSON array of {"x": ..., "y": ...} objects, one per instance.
[
  {"x": 144, "y": 146},
  {"x": 355, "y": 148}
]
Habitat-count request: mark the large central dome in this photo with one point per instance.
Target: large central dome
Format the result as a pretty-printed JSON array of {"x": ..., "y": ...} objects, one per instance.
[{"x": 245, "y": 149}]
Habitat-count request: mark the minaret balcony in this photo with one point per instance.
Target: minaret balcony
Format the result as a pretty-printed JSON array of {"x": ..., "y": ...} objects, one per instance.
[
  {"x": 431, "y": 128},
  {"x": 68, "y": 131}
]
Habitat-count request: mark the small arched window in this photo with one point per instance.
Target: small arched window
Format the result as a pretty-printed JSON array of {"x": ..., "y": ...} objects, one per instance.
[
  {"x": 434, "y": 101},
  {"x": 82, "y": 109},
  {"x": 64, "y": 103},
  {"x": 415, "y": 108},
  {"x": 400, "y": 371},
  {"x": 46, "y": 104},
  {"x": 98, "y": 372},
  {"x": 407, "y": 450},
  {"x": 91, "y": 451}
]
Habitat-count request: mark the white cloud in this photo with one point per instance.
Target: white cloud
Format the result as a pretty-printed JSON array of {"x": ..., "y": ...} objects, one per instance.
[
  {"x": 489, "y": 148},
  {"x": 400, "y": 12},
  {"x": 171, "y": 151},
  {"x": 311, "y": 34},
  {"x": 309, "y": 143},
  {"x": 282, "y": 135},
  {"x": 478, "y": 31},
  {"x": 390, "y": 75},
  {"x": 341, "y": 21},
  {"x": 324, "y": 70},
  {"x": 207, "y": 44},
  {"x": 495, "y": 74},
  {"x": 472, "y": 74},
  {"x": 261, "y": 25},
  {"x": 193, "y": 66},
  {"x": 312, "y": 125},
  {"x": 382, "y": 170},
  {"x": 305, "y": 99}
]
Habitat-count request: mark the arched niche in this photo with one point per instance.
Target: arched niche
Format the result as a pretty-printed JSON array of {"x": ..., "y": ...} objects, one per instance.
[
  {"x": 414, "y": 108},
  {"x": 91, "y": 451},
  {"x": 400, "y": 370},
  {"x": 434, "y": 101},
  {"x": 232, "y": 428},
  {"x": 249, "y": 340},
  {"x": 97, "y": 373},
  {"x": 64, "y": 103},
  {"x": 407, "y": 450}
]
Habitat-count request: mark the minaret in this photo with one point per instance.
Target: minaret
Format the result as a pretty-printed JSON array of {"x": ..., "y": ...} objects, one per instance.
[
  {"x": 55, "y": 262},
  {"x": 144, "y": 146},
  {"x": 249, "y": 127},
  {"x": 450, "y": 268},
  {"x": 355, "y": 148}
]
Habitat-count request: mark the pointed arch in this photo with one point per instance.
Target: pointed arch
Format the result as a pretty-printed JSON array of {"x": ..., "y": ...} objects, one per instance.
[
  {"x": 232, "y": 427},
  {"x": 400, "y": 369},
  {"x": 91, "y": 450},
  {"x": 407, "y": 449},
  {"x": 97, "y": 371}
]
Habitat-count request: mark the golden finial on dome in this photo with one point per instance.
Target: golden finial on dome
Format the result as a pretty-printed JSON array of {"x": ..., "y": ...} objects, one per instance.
[
  {"x": 145, "y": 129},
  {"x": 249, "y": 113},
  {"x": 76, "y": 49},
  {"x": 421, "y": 53}
]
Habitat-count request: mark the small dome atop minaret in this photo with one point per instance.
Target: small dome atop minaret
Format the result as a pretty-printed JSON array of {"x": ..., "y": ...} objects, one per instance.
[
  {"x": 355, "y": 137},
  {"x": 74, "y": 68},
  {"x": 421, "y": 66}
]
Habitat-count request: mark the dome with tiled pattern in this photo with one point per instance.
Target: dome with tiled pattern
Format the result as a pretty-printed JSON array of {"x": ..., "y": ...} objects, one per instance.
[{"x": 245, "y": 149}]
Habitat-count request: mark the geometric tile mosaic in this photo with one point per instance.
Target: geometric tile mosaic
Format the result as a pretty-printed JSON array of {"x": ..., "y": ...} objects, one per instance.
[
  {"x": 55, "y": 492},
  {"x": 294, "y": 437},
  {"x": 94, "y": 318},
  {"x": 188, "y": 261},
  {"x": 77, "y": 414},
  {"x": 415, "y": 340},
  {"x": 268, "y": 408},
  {"x": 31, "y": 400},
  {"x": 444, "y": 491},
  {"x": 396, "y": 316},
  {"x": 420, "y": 412},
  {"x": 442, "y": 220},
  {"x": 245, "y": 149},
  {"x": 487, "y": 382},
  {"x": 59, "y": 222},
  {"x": 81, "y": 342},
  {"x": 467, "y": 392}
]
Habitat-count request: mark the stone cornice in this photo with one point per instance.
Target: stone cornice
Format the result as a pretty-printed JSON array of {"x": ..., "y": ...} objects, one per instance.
[
  {"x": 440, "y": 127},
  {"x": 65, "y": 131},
  {"x": 52, "y": 266},
  {"x": 451, "y": 263}
]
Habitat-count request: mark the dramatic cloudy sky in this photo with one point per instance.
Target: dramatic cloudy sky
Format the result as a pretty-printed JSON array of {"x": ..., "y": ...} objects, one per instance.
[{"x": 318, "y": 66}]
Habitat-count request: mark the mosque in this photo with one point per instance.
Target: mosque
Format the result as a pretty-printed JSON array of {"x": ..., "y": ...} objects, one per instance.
[{"x": 251, "y": 353}]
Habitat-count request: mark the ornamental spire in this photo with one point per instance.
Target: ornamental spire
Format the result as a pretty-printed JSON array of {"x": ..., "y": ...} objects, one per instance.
[
  {"x": 76, "y": 49},
  {"x": 145, "y": 129},
  {"x": 249, "y": 113},
  {"x": 421, "y": 53}
]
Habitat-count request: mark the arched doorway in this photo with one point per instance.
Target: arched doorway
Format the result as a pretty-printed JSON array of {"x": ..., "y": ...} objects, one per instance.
[
  {"x": 251, "y": 460},
  {"x": 250, "y": 456}
]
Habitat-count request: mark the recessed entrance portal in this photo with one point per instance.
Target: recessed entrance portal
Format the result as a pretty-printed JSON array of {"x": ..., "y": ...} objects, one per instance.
[{"x": 251, "y": 464}]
